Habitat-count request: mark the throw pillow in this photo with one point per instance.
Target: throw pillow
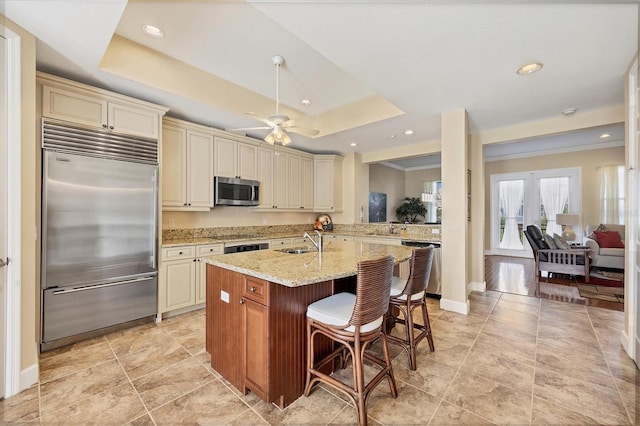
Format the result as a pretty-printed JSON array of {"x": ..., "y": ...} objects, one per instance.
[
  {"x": 600, "y": 228},
  {"x": 608, "y": 239},
  {"x": 549, "y": 240},
  {"x": 561, "y": 243}
]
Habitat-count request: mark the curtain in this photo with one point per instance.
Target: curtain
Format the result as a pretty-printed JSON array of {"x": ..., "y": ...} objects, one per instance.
[
  {"x": 511, "y": 195},
  {"x": 612, "y": 194},
  {"x": 554, "y": 193}
]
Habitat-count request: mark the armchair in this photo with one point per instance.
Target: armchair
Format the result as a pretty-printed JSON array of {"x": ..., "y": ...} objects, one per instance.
[
  {"x": 574, "y": 261},
  {"x": 605, "y": 257}
]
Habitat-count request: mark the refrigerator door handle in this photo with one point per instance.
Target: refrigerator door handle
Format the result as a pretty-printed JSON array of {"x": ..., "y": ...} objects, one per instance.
[{"x": 93, "y": 287}]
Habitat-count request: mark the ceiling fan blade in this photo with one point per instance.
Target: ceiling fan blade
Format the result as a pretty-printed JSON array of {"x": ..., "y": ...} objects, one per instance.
[
  {"x": 266, "y": 121},
  {"x": 251, "y": 128},
  {"x": 303, "y": 131}
]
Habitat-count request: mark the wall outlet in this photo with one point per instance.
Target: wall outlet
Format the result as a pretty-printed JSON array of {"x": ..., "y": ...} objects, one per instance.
[
  {"x": 171, "y": 223},
  {"x": 224, "y": 296},
  {"x": 435, "y": 231}
]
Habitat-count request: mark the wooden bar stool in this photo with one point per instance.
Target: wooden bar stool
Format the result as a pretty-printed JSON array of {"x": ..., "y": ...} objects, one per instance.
[
  {"x": 408, "y": 294},
  {"x": 353, "y": 321}
]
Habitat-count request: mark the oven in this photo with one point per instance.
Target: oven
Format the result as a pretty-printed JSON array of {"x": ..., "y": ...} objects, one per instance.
[{"x": 240, "y": 246}]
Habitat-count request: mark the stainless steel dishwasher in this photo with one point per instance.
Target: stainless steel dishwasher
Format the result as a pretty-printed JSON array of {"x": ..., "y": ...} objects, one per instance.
[{"x": 434, "y": 287}]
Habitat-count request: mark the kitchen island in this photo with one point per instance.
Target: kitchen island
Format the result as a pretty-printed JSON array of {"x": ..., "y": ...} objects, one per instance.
[{"x": 256, "y": 311}]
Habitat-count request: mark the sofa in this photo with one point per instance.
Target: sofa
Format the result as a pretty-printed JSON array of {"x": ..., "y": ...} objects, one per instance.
[{"x": 606, "y": 252}]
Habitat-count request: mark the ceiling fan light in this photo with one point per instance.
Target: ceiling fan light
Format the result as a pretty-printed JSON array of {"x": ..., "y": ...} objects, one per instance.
[{"x": 278, "y": 137}]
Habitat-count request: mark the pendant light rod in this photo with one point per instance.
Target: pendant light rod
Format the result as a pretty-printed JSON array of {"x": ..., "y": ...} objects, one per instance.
[{"x": 278, "y": 61}]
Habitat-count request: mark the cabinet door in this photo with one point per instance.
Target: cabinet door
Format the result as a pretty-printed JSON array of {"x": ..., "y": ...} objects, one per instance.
[
  {"x": 323, "y": 194},
  {"x": 225, "y": 158},
  {"x": 247, "y": 161},
  {"x": 75, "y": 107},
  {"x": 295, "y": 182},
  {"x": 266, "y": 177},
  {"x": 174, "y": 167},
  {"x": 281, "y": 183},
  {"x": 256, "y": 320},
  {"x": 177, "y": 285},
  {"x": 133, "y": 120},
  {"x": 200, "y": 170},
  {"x": 307, "y": 183}
]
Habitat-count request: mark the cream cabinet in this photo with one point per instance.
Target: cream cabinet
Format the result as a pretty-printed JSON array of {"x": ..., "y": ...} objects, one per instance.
[
  {"x": 183, "y": 279},
  {"x": 266, "y": 177},
  {"x": 187, "y": 167},
  {"x": 307, "y": 187},
  {"x": 235, "y": 159},
  {"x": 280, "y": 181},
  {"x": 380, "y": 240},
  {"x": 327, "y": 183},
  {"x": 95, "y": 109},
  {"x": 280, "y": 243},
  {"x": 333, "y": 237},
  {"x": 294, "y": 181}
]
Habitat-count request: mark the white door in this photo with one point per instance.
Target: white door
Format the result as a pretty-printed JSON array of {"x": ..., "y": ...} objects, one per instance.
[{"x": 3, "y": 209}]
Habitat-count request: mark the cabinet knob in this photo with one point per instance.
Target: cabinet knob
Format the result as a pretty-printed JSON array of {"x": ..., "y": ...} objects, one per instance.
[
  {"x": 210, "y": 249},
  {"x": 111, "y": 127},
  {"x": 242, "y": 301},
  {"x": 104, "y": 126},
  {"x": 179, "y": 252},
  {"x": 252, "y": 289},
  {"x": 195, "y": 260}
]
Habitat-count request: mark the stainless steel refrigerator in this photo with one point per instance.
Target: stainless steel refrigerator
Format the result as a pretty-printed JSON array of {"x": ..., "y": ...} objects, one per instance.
[{"x": 99, "y": 232}]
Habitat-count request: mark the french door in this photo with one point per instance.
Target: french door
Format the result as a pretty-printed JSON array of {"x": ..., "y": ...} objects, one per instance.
[{"x": 525, "y": 198}]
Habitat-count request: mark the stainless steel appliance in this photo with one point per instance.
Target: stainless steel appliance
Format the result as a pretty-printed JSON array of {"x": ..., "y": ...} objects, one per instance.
[
  {"x": 99, "y": 232},
  {"x": 434, "y": 287},
  {"x": 245, "y": 246},
  {"x": 236, "y": 192}
]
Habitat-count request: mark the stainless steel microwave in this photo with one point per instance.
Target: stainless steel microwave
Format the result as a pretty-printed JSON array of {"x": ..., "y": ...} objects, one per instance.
[{"x": 235, "y": 192}]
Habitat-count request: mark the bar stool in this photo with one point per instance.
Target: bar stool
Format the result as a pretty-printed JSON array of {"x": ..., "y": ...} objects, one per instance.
[
  {"x": 353, "y": 321},
  {"x": 408, "y": 294}
]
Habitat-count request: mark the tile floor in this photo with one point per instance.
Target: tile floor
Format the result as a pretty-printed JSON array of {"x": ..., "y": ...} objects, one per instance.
[{"x": 514, "y": 359}]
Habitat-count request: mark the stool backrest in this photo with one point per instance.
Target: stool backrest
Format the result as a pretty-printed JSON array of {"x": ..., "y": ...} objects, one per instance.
[
  {"x": 420, "y": 269},
  {"x": 373, "y": 285}
]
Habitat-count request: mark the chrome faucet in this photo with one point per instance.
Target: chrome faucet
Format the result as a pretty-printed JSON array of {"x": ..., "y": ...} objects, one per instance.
[
  {"x": 318, "y": 245},
  {"x": 391, "y": 230}
]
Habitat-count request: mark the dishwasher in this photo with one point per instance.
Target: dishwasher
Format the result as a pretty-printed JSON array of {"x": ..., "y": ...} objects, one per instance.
[{"x": 434, "y": 287}]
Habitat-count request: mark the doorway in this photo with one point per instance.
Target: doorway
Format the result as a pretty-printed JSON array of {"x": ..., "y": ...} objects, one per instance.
[
  {"x": 526, "y": 198},
  {"x": 3, "y": 212}
]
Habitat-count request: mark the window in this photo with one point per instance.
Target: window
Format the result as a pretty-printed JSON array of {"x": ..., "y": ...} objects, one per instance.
[{"x": 612, "y": 188}]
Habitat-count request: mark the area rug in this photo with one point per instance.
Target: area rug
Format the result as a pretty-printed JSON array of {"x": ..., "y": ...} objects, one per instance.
[
  {"x": 606, "y": 278},
  {"x": 612, "y": 294}
]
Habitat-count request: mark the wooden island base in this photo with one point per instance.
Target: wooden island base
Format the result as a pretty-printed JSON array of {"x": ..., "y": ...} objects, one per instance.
[{"x": 256, "y": 332}]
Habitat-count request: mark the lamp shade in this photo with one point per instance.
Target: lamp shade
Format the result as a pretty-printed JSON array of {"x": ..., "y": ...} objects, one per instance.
[
  {"x": 568, "y": 219},
  {"x": 278, "y": 136}
]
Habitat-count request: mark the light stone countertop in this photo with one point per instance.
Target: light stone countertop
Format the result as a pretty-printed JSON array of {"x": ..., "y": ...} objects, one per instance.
[{"x": 338, "y": 260}]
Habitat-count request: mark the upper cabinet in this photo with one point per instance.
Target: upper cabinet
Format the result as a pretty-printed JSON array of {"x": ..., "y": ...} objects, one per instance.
[
  {"x": 187, "y": 166},
  {"x": 77, "y": 103},
  {"x": 266, "y": 177},
  {"x": 328, "y": 183},
  {"x": 235, "y": 159},
  {"x": 286, "y": 179}
]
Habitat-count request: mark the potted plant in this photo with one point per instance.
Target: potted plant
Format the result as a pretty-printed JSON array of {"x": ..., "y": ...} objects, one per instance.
[{"x": 410, "y": 210}]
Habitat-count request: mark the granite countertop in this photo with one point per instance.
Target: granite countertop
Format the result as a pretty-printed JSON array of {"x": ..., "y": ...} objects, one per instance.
[
  {"x": 338, "y": 260},
  {"x": 227, "y": 239}
]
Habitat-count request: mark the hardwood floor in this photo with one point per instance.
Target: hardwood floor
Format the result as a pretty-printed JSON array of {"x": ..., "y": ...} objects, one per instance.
[{"x": 518, "y": 276}]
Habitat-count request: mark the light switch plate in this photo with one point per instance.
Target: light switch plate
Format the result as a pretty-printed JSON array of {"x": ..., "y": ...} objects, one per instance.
[
  {"x": 435, "y": 231},
  {"x": 224, "y": 296}
]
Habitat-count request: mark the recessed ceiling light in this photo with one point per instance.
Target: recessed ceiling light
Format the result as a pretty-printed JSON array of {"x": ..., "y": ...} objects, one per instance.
[
  {"x": 605, "y": 135},
  {"x": 153, "y": 31},
  {"x": 529, "y": 68},
  {"x": 306, "y": 102},
  {"x": 392, "y": 136},
  {"x": 353, "y": 144},
  {"x": 569, "y": 111},
  {"x": 409, "y": 132}
]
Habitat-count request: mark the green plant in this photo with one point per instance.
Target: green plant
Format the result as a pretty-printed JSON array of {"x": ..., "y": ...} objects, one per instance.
[{"x": 410, "y": 210}]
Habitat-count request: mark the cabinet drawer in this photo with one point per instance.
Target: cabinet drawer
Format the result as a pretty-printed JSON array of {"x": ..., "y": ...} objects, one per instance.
[
  {"x": 256, "y": 290},
  {"x": 283, "y": 242},
  {"x": 174, "y": 253},
  {"x": 301, "y": 241},
  {"x": 209, "y": 249}
]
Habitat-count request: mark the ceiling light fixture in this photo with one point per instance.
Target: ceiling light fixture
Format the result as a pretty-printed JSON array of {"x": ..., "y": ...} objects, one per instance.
[
  {"x": 153, "y": 31},
  {"x": 529, "y": 68},
  {"x": 409, "y": 132},
  {"x": 569, "y": 111},
  {"x": 392, "y": 136},
  {"x": 306, "y": 102},
  {"x": 605, "y": 135},
  {"x": 278, "y": 136}
]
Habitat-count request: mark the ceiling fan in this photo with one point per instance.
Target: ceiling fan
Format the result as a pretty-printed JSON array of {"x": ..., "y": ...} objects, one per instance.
[{"x": 278, "y": 123}]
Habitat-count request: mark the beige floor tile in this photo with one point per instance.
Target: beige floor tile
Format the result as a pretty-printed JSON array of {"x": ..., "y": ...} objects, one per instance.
[
  {"x": 549, "y": 305},
  {"x": 21, "y": 408},
  {"x": 591, "y": 368},
  {"x": 490, "y": 400},
  {"x": 630, "y": 394},
  {"x": 547, "y": 413},
  {"x": 588, "y": 347},
  {"x": 195, "y": 344},
  {"x": 520, "y": 299},
  {"x": 448, "y": 351},
  {"x": 505, "y": 315},
  {"x": 171, "y": 382},
  {"x": 500, "y": 369},
  {"x": 72, "y": 358},
  {"x": 144, "y": 420},
  {"x": 591, "y": 399},
  {"x": 117, "y": 405},
  {"x": 318, "y": 408},
  {"x": 184, "y": 325},
  {"x": 412, "y": 406},
  {"x": 449, "y": 414},
  {"x": 471, "y": 321},
  {"x": 81, "y": 385},
  {"x": 512, "y": 330},
  {"x": 210, "y": 404},
  {"x": 152, "y": 358},
  {"x": 511, "y": 304},
  {"x": 430, "y": 376},
  {"x": 136, "y": 339},
  {"x": 521, "y": 350},
  {"x": 249, "y": 417},
  {"x": 560, "y": 330}
]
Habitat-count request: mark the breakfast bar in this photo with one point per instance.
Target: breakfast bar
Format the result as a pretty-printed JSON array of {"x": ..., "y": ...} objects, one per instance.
[{"x": 256, "y": 311}]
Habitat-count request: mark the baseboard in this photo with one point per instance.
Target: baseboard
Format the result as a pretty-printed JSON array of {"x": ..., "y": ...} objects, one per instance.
[
  {"x": 455, "y": 306},
  {"x": 29, "y": 376},
  {"x": 627, "y": 344},
  {"x": 477, "y": 286}
]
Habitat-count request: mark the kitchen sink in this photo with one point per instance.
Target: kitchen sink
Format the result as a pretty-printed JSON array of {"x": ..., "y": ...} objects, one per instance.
[{"x": 297, "y": 250}]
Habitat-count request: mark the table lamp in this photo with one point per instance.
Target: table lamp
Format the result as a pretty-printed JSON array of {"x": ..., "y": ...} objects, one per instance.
[{"x": 567, "y": 221}]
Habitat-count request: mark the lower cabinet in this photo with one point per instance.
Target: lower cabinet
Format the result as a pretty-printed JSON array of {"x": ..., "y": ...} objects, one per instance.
[
  {"x": 256, "y": 341},
  {"x": 183, "y": 276}
]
